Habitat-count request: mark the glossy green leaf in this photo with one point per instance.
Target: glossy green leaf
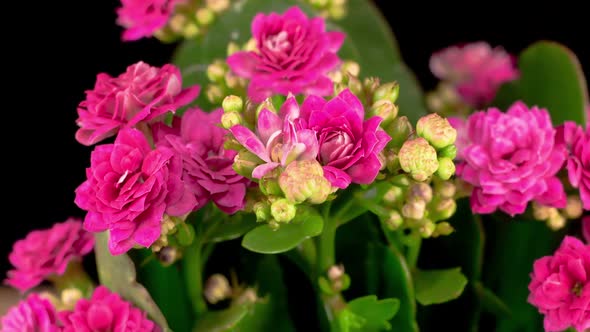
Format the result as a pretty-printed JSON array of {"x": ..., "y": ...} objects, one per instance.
[
  {"x": 376, "y": 313},
  {"x": 265, "y": 240},
  {"x": 222, "y": 320},
  {"x": 551, "y": 77},
  {"x": 438, "y": 286},
  {"x": 118, "y": 274}
]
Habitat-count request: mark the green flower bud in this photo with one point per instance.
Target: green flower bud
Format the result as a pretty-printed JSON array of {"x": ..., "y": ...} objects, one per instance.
[
  {"x": 190, "y": 30},
  {"x": 216, "y": 71},
  {"x": 355, "y": 86},
  {"x": 391, "y": 161},
  {"x": 337, "y": 12},
  {"x": 232, "y": 48},
  {"x": 231, "y": 143},
  {"x": 262, "y": 211},
  {"x": 282, "y": 210},
  {"x": 384, "y": 109},
  {"x": 443, "y": 228},
  {"x": 245, "y": 162},
  {"x": 420, "y": 190},
  {"x": 304, "y": 181},
  {"x": 231, "y": 119},
  {"x": 177, "y": 23},
  {"x": 371, "y": 84},
  {"x": 393, "y": 195},
  {"x": 217, "y": 6},
  {"x": 205, "y": 16},
  {"x": 446, "y": 168},
  {"x": 232, "y": 103},
  {"x": 400, "y": 180},
  {"x": 394, "y": 220},
  {"x": 449, "y": 151},
  {"x": 418, "y": 158},
  {"x": 269, "y": 185},
  {"x": 445, "y": 189},
  {"x": 414, "y": 209},
  {"x": 387, "y": 91},
  {"x": 436, "y": 130},
  {"x": 214, "y": 93},
  {"x": 351, "y": 67},
  {"x": 442, "y": 209},
  {"x": 399, "y": 130},
  {"x": 217, "y": 288},
  {"x": 267, "y": 103},
  {"x": 427, "y": 229}
]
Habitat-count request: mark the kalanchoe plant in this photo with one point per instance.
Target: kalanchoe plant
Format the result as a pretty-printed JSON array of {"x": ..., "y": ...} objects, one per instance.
[{"x": 310, "y": 171}]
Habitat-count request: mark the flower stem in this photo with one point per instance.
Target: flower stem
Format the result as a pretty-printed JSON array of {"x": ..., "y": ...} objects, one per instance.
[
  {"x": 413, "y": 243},
  {"x": 193, "y": 276}
]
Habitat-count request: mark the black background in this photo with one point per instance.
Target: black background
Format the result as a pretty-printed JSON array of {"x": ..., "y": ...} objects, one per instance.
[{"x": 59, "y": 50}]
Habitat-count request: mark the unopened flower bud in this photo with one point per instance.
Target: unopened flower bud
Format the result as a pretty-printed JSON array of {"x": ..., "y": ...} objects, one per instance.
[
  {"x": 168, "y": 255},
  {"x": 266, "y": 104},
  {"x": 394, "y": 220},
  {"x": 446, "y": 189},
  {"x": 393, "y": 195},
  {"x": 336, "y": 272},
  {"x": 418, "y": 158},
  {"x": 304, "y": 181},
  {"x": 232, "y": 103},
  {"x": 401, "y": 180},
  {"x": 337, "y": 12},
  {"x": 556, "y": 222},
  {"x": 355, "y": 86},
  {"x": 442, "y": 209},
  {"x": 399, "y": 130},
  {"x": 420, "y": 190},
  {"x": 245, "y": 162},
  {"x": 436, "y": 130},
  {"x": 251, "y": 45},
  {"x": 384, "y": 109},
  {"x": 231, "y": 119},
  {"x": 387, "y": 91},
  {"x": 247, "y": 297},
  {"x": 427, "y": 229},
  {"x": 232, "y": 80},
  {"x": 262, "y": 211},
  {"x": 351, "y": 67},
  {"x": 449, "y": 151},
  {"x": 217, "y": 6},
  {"x": 282, "y": 210},
  {"x": 573, "y": 209},
  {"x": 190, "y": 30},
  {"x": 177, "y": 23},
  {"x": 214, "y": 93},
  {"x": 216, "y": 71},
  {"x": 232, "y": 48},
  {"x": 391, "y": 161},
  {"x": 542, "y": 212},
  {"x": 443, "y": 229},
  {"x": 446, "y": 168},
  {"x": 217, "y": 288},
  {"x": 414, "y": 209},
  {"x": 69, "y": 298},
  {"x": 371, "y": 84},
  {"x": 204, "y": 16},
  {"x": 269, "y": 185}
]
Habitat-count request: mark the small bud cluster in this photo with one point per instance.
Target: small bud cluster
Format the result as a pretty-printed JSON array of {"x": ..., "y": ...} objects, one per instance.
[
  {"x": 334, "y": 9},
  {"x": 556, "y": 218},
  {"x": 191, "y": 19}
]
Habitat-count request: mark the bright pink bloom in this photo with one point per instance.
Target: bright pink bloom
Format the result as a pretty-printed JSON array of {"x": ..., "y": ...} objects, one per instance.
[
  {"x": 462, "y": 140},
  {"x": 476, "y": 70},
  {"x": 560, "y": 286},
  {"x": 143, "y": 94},
  {"x": 106, "y": 311},
  {"x": 208, "y": 173},
  {"x": 33, "y": 314},
  {"x": 511, "y": 159},
  {"x": 44, "y": 253},
  {"x": 577, "y": 142},
  {"x": 586, "y": 228},
  {"x": 129, "y": 186},
  {"x": 348, "y": 145},
  {"x": 142, "y": 18},
  {"x": 278, "y": 141},
  {"x": 294, "y": 55}
]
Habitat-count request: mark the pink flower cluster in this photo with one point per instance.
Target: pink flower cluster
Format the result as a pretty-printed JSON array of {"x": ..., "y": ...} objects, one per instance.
[
  {"x": 294, "y": 54},
  {"x": 511, "y": 159},
  {"x": 142, "y": 18},
  {"x": 44, "y": 253},
  {"x": 333, "y": 132},
  {"x": 33, "y": 314},
  {"x": 476, "y": 70},
  {"x": 577, "y": 142},
  {"x": 560, "y": 287}
]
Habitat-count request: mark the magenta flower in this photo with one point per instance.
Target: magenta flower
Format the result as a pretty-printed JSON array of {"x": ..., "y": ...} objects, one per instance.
[
  {"x": 294, "y": 55},
  {"x": 129, "y": 186},
  {"x": 45, "y": 253},
  {"x": 560, "y": 287},
  {"x": 511, "y": 159},
  {"x": 577, "y": 141},
  {"x": 33, "y": 314},
  {"x": 142, "y": 18},
  {"x": 106, "y": 311},
  {"x": 208, "y": 172},
  {"x": 348, "y": 145},
  {"x": 476, "y": 70},
  {"x": 278, "y": 140},
  {"x": 143, "y": 94}
]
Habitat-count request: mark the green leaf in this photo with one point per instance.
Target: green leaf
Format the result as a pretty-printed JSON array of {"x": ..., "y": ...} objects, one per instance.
[
  {"x": 222, "y": 320},
  {"x": 438, "y": 286},
  {"x": 265, "y": 240},
  {"x": 229, "y": 229},
  {"x": 490, "y": 301},
  {"x": 118, "y": 274},
  {"x": 551, "y": 77},
  {"x": 376, "y": 313}
]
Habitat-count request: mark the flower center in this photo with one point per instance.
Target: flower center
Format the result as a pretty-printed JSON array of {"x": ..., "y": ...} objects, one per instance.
[
  {"x": 577, "y": 289},
  {"x": 122, "y": 178},
  {"x": 278, "y": 42},
  {"x": 336, "y": 145}
]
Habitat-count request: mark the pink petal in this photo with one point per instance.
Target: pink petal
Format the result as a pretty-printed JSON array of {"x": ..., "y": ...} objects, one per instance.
[
  {"x": 337, "y": 178},
  {"x": 247, "y": 138}
]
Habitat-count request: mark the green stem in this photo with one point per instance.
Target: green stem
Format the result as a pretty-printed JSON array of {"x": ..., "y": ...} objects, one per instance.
[
  {"x": 193, "y": 276},
  {"x": 414, "y": 242}
]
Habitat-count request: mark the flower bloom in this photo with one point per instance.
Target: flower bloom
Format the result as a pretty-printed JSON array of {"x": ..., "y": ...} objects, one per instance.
[
  {"x": 476, "y": 70},
  {"x": 511, "y": 159},
  {"x": 129, "y": 186},
  {"x": 106, "y": 311},
  {"x": 560, "y": 287},
  {"x": 142, "y": 94},
  {"x": 577, "y": 142},
  {"x": 32, "y": 314},
  {"x": 142, "y": 18},
  {"x": 207, "y": 166},
  {"x": 294, "y": 55},
  {"x": 348, "y": 145},
  {"x": 44, "y": 253}
]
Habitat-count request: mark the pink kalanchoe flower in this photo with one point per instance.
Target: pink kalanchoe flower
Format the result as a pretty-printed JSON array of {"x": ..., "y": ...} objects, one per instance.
[
  {"x": 348, "y": 145},
  {"x": 278, "y": 140},
  {"x": 577, "y": 141},
  {"x": 294, "y": 55},
  {"x": 142, "y": 18},
  {"x": 45, "y": 253},
  {"x": 128, "y": 189},
  {"x": 511, "y": 159},
  {"x": 207, "y": 166},
  {"x": 560, "y": 287},
  {"x": 106, "y": 311},
  {"x": 476, "y": 70},
  {"x": 33, "y": 314},
  {"x": 143, "y": 94}
]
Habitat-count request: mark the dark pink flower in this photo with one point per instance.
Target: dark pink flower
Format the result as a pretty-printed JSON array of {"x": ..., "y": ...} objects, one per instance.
[
  {"x": 129, "y": 186},
  {"x": 511, "y": 159},
  {"x": 33, "y": 314},
  {"x": 294, "y": 55},
  {"x": 577, "y": 141},
  {"x": 142, "y": 18},
  {"x": 560, "y": 287},
  {"x": 106, "y": 311},
  {"x": 476, "y": 70},
  {"x": 208, "y": 173},
  {"x": 143, "y": 94},
  {"x": 348, "y": 145},
  {"x": 44, "y": 253}
]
